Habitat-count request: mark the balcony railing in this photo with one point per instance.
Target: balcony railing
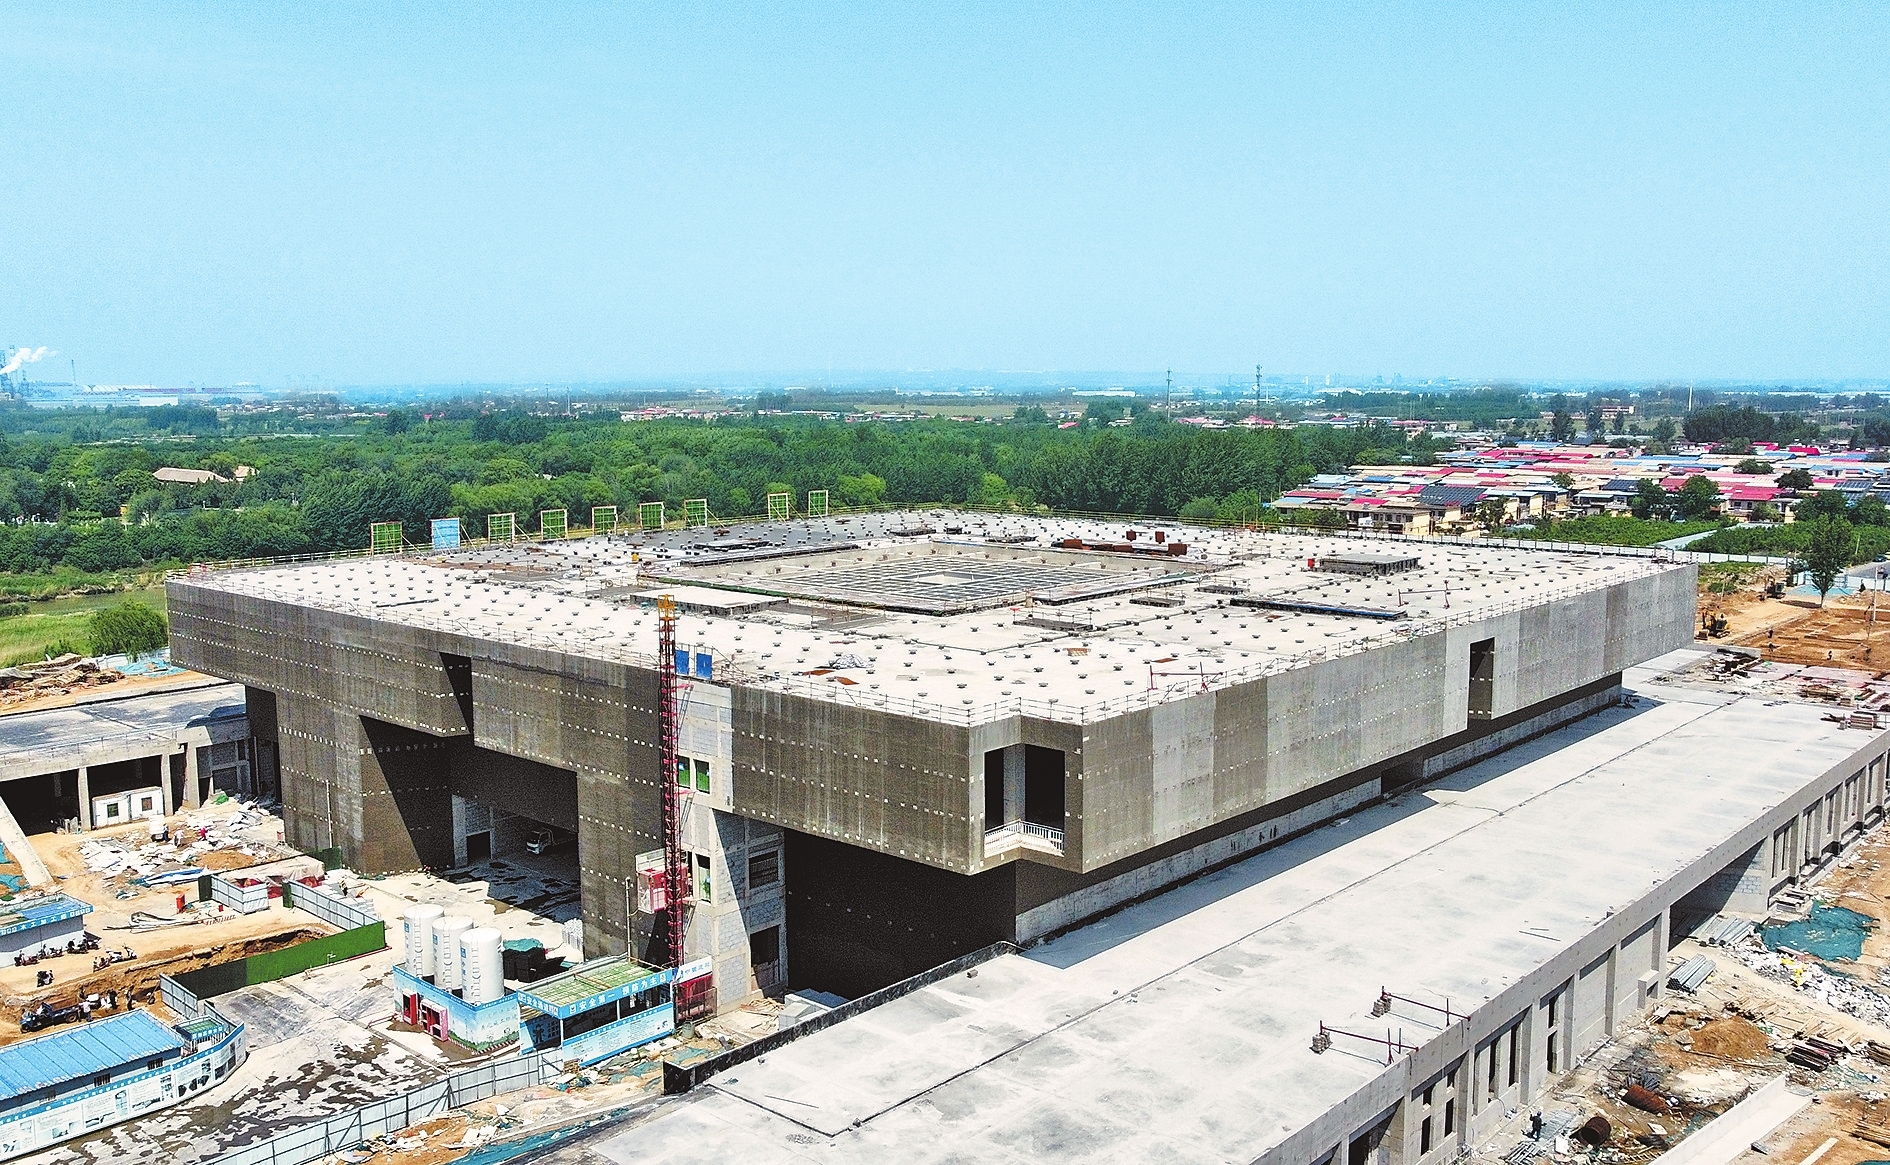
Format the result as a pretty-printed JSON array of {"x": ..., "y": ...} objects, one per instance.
[{"x": 1023, "y": 835}]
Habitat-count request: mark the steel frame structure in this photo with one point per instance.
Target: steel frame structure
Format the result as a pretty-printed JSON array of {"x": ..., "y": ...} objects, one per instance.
[{"x": 677, "y": 876}]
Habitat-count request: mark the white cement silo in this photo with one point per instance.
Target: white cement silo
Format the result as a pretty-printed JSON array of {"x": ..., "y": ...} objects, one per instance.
[
  {"x": 416, "y": 932},
  {"x": 448, "y": 970},
  {"x": 482, "y": 952}
]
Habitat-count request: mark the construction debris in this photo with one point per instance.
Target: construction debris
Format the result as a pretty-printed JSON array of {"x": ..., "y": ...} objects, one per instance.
[
  {"x": 54, "y": 677},
  {"x": 1802, "y": 973},
  {"x": 184, "y": 856},
  {"x": 1692, "y": 974}
]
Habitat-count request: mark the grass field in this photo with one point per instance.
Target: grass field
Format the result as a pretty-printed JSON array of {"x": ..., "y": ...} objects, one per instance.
[
  {"x": 59, "y": 625},
  {"x": 63, "y": 581},
  {"x": 31, "y": 638},
  {"x": 1617, "y": 530}
]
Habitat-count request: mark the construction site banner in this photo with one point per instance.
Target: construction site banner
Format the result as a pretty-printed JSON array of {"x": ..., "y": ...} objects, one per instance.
[
  {"x": 445, "y": 533},
  {"x": 603, "y": 519},
  {"x": 650, "y": 515},
  {"x": 384, "y": 537},
  {"x": 499, "y": 527},
  {"x": 552, "y": 523},
  {"x": 816, "y": 503},
  {"x": 780, "y": 507},
  {"x": 695, "y": 511}
]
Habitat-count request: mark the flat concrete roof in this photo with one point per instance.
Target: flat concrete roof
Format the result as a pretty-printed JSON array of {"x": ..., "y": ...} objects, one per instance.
[
  {"x": 34, "y": 743},
  {"x": 1084, "y": 659},
  {"x": 1179, "y": 1029}
]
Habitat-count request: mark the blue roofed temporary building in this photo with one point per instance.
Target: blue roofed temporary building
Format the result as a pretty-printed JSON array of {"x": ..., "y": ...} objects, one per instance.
[
  {"x": 73, "y": 1059},
  {"x": 79, "y": 1079},
  {"x": 596, "y": 1010},
  {"x": 50, "y": 921}
]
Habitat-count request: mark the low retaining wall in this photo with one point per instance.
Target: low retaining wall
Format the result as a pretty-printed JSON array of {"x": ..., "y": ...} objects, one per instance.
[{"x": 1728, "y": 1135}]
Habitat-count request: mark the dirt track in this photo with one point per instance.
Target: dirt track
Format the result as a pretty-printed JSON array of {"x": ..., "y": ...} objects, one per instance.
[{"x": 1796, "y": 629}]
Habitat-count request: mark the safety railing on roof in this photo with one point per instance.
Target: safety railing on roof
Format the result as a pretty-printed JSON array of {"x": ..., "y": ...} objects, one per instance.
[
  {"x": 1148, "y": 520},
  {"x": 594, "y": 643},
  {"x": 588, "y": 643}
]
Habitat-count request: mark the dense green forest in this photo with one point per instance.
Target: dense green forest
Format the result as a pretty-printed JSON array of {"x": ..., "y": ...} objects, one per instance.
[
  {"x": 77, "y": 491},
  {"x": 80, "y": 507}
]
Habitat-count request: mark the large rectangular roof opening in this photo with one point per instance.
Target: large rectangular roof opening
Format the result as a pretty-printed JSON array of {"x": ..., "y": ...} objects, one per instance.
[{"x": 941, "y": 578}]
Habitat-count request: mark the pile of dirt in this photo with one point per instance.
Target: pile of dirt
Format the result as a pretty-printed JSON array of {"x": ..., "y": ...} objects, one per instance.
[
  {"x": 139, "y": 977},
  {"x": 1732, "y": 1037},
  {"x": 227, "y": 859}
]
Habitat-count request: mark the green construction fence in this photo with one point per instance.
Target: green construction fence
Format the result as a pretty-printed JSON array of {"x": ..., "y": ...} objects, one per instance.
[{"x": 208, "y": 982}]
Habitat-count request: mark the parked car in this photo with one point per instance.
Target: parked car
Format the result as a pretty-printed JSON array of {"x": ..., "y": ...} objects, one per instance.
[{"x": 538, "y": 841}]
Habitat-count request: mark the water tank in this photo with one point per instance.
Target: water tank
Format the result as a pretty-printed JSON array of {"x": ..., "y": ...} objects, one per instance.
[
  {"x": 416, "y": 932},
  {"x": 447, "y": 968},
  {"x": 482, "y": 955}
]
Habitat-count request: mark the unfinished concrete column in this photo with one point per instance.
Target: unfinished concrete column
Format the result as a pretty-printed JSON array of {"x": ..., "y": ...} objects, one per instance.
[
  {"x": 1013, "y": 785},
  {"x": 193, "y": 794},
  {"x": 1662, "y": 924},
  {"x": 85, "y": 799}
]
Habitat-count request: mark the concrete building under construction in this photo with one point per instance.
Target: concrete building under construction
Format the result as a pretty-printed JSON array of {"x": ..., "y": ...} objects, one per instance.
[{"x": 902, "y": 736}]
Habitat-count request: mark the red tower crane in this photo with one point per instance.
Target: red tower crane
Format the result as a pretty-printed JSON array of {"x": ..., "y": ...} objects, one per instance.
[{"x": 676, "y": 872}]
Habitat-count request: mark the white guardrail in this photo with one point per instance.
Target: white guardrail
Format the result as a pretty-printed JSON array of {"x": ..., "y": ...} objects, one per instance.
[{"x": 594, "y": 643}]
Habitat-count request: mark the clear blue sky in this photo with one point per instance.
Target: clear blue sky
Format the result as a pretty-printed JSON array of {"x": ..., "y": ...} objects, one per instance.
[{"x": 397, "y": 194}]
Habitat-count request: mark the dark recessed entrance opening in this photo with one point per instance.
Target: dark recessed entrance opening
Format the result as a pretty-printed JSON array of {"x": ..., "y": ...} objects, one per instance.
[
  {"x": 994, "y": 788},
  {"x": 478, "y": 846},
  {"x": 1482, "y": 679},
  {"x": 1043, "y": 786},
  {"x": 764, "y": 957},
  {"x": 44, "y": 803}
]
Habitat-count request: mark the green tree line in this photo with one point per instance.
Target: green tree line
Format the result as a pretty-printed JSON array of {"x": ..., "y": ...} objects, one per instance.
[{"x": 98, "y": 507}]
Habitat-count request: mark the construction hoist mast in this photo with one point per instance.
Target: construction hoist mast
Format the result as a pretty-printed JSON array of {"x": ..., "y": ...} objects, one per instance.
[{"x": 677, "y": 875}]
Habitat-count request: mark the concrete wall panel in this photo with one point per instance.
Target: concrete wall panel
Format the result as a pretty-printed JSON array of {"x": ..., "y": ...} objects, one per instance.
[
  {"x": 1183, "y": 770},
  {"x": 857, "y": 775}
]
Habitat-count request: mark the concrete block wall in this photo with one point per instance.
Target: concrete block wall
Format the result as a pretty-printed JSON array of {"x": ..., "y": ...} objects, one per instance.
[{"x": 718, "y": 928}]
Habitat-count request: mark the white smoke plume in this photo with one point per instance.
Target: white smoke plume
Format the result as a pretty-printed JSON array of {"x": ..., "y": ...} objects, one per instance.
[{"x": 22, "y": 356}]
